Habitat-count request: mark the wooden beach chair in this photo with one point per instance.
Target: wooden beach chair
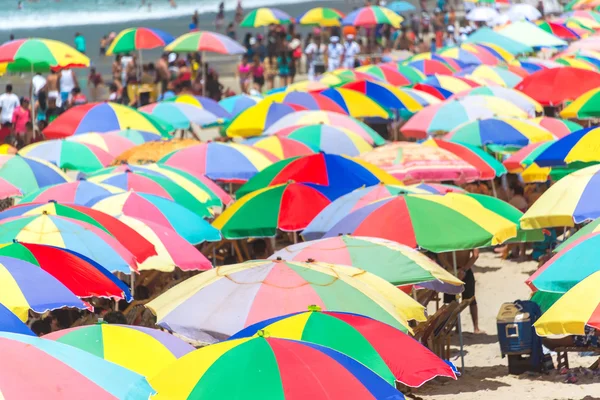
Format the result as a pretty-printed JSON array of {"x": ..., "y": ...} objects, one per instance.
[
  {"x": 441, "y": 338},
  {"x": 562, "y": 356},
  {"x": 424, "y": 330}
]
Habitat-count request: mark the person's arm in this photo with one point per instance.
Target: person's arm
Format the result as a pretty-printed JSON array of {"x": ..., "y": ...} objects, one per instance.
[
  {"x": 472, "y": 260},
  {"x": 443, "y": 259}
]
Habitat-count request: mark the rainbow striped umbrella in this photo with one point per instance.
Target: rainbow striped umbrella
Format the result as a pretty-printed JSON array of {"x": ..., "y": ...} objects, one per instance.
[
  {"x": 135, "y": 39},
  {"x": 264, "y": 17},
  {"x": 400, "y": 265},
  {"x": 523, "y": 162},
  {"x": 410, "y": 74},
  {"x": 308, "y": 100},
  {"x": 583, "y": 107},
  {"x": 432, "y": 67},
  {"x": 322, "y": 16},
  {"x": 470, "y": 54},
  {"x": 423, "y": 98},
  {"x": 341, "y": 174},
  {"x": 257, "y": 119},
  {"x": 7, "y": 189},
  {"x": 9, "y": 322},
  {"x": 137, "y": 137},
  {"x": 446, "y": 116},
  {"x": 25, "y": 286},
  {"x": 364, "y": 339},
  {"x": 435, "y": 91},
  {"x": 325, "y": 117},
  {"x": 79, "y": 192},
  {"x": 71, "y": 234},
  {"x": 180, "y": 115},
  {"x": 454, "y": 84},
  {"x": 201, "y": 102},
  {"x": 159, "y": 210},
  {"x": 69, "y": 155},
  {"x": 503, "y": 132},
  {"x": 384, "y": 94},
  {"x": 142, "y": 350},
  {"x": 111, "y": 143},
  {"x": 58, "y": 371},
  {"x": 435, "y": 223},
  {"x": 81, "y": 275},
  {"x": 452, "y": 63},
  {"x": 281, "y": 147},
  {"x": 371, "y": 16},
  {"x": 35, "y": 54},
  {"x": 265, "y": 290},
  {"x": 306, "y": 86},
  {"x": 29, "y": 174},
  {"x": 237, "y": 104},
  {"x": 283, "y": 363},
  {"x": 558, "y": 30},
  {"x": 101, "y": 117},
  {"x": 572, "y": 200},
  {"x": 386, "y": 74},
  {"x": 202, "y": 41},
  {"x": 328, "y": 139},
  {"x": 521, "y": 100},
  {"x": 578, "y": 147},
  {"x": 576, "y": 63},
  {"x": 495, "y": 75},
  {"x": 228, "y": 162},
  {"x": 357, "y": 104}
]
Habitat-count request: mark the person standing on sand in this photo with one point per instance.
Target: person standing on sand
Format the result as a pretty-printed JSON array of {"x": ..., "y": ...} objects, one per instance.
[
  {"x": 465, "y": 260},
  {"x": 8, "y": 103},
  {"x": 52, "y": 87},
  {"x": 95, "y": 83},
  {"x": 314, "y": 57},
  {"x": 335, "y": 52},
  {"x": 66, "y": 83},
  {"x": 162, "y": 71},
  {"x": 239, "y": 12}
]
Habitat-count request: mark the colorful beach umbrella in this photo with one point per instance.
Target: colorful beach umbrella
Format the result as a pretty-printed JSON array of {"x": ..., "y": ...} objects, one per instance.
[
  {"x": 446, "y": 116},
  {"x": 58, "y": 371},
  {"x": 558, "y": 30},
  {"x": 78, "y": 192},
  {"x": 585, "y": 106},
  {"x": 152, "y": 151},
  {"x": 288, "y": 362},
  {"x": 341, "y": 174},
  {"x": 29, "y": 174},
  {"x": 432, "y": 67},
  {"x": 328, "y": 139},
  {"x": 435, "y": 91},
  {"x": 180, "y": 115},
  {"x": 364, "y": 339},
  {"x": 9, "y": 322},
  {"x": 7, "y": 189},
  {"x": 140, "y": 38},
  {"x": 495, "y": 75},
  {"x": 553, "y": 87},
  {"x": 24, "y": 287},
  {"x": 308, "y": 100},
  {"x": 452, "y": 63},
  {"x": 500, "y": 132},
  {"x": 235, "y": 105},
  {"x": 523, "y": 162},
  {"x": 228, "y": 162},
  {"x": 578, "y": 147},
  {"x": 357, "y": 104},
  {"x": 280, "y": 146},
  {"x": 412, "y": 75},
  {"x": 401, "y": 7},
  {"x": 201, "y": 41},
  {"x": 558, "y": 127},
  {"x": 137, "y": 137},
  {"x": 101, "y": 117},
  {"x": 458, "y": 222},
  {"x": 266, "y": 291},
  {"x": 69, "y": 155},
  {"x": 400, "y": 265},
  {"x": 202, "y": 102},
  {"x": 264, "y": 17},
  {"x": 576, "y": 63},
  {"x": 386, "y": 74},
  {"x": 159, "y": 210},
  {"x": 524, "y": 102},
  {"x": 321, "y": 16},
  {"x": 385, "y": 94},
  {"x": 257, "y": 119},
  {"x": 35, "y": 54},
  {"x": 570, "y": 201},
  {"x": 111, "y": 143},
  {"x": 454, "y": 84},
  {"x": 371, "y": 16},
  {"x": 325, "y": 117},
  {"x": 473, "y": 54},
  {"x": 423, "y": 98},
  {"x": 142, "y": 350}
]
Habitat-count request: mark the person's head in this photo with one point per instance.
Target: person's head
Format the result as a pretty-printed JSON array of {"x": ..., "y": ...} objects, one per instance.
[
  {"x": 142, "y": 292},
  {"x": 24, "y": 102},
  {"x": 259, "y": 248},
  {"x": 518, "y": 190},
  {"x": 230, "y": 26},
  {"x": 9, "y": 88},
  {"x": 77, "y": 34},
  {"x": 105, "y": 37},
  {"x": 113, "y": 88},
  {"x": 41, "y": 327},
  {"x": 115, "y": 317},
  {"x": 349, "y": 38},
  {"x": 244, "y": 59},
  {"x": 256, "y": 59},
  {"x": 118, "y": 58},
  {"x": 76, "y": 91},
  {"x": 92, "y": 70}
]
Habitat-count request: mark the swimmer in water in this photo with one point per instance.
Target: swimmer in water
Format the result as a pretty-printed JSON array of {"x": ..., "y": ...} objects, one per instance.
[
  {"x": 220, "y": 16},
  {"x": 173, "y": 4}
]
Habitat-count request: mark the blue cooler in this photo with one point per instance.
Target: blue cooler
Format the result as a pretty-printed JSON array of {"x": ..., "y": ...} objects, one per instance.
[{"x": 514, "y": 330}]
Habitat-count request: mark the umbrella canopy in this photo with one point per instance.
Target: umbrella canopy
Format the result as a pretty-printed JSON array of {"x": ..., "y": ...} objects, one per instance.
[
  {"x": 129, "y": 238},
  {"x": 35, "y": 54},
  {"x": 9, "y": 322},
  {"x": 570, "y": 201},
  {"x": 401, "y": 7},
  {"x": 364, "y": 339},
  {"x": 288, "y": 207},
  {"x": 583, "y": 107},
  {"x": 322, "y": 16},
  {"x": 308, "y": 100},
  {"x": 140, "y": 38},
  {"x": 504, "y": 132},
  {"x": 180, "y": 115},
  {"x": 24, "y": 287},
  {"x": 389, "y": 74},
  {"x": 524, "y": 102},
  {"x": 283, "y": 363},
  {"x": 268, "y": 289},
  {"x": 454, "y": 84},
  {"x": 576, "y": 63},
  {"x": 398, "y": 264},
  {"x": 78, "y": 192},
  {"x": 159, "y": 210},
  {"x": 387, "y": 95},
  {"x": 524, "y": 11},
  {"x": 264, "y": 17},
  {"x": 586, "y": 230},
  {"x": 553, "y": 87},
  {"x": 211, "y": 42},
  {"x": 280, "y": 146},
  {"x": 29, "y": 174},
  {"x": 328, "y": 139},
  {"x": 137, "y": 137},
  {"x": 142, "y": 350},
  {"x": 458, "y": 222},
  {"x": 228, "y": 162},
  {"x": 432, "y": 67},
  {"x": 343, "y": 75},
  {"x": 531, "y": 35},
  {"x": 496, "y": 75},
  {"x": 101, "y": 117},
  {"x": 326, "y": 117},
  {"x": 57, "y": 371},
  {"x": 7, "y": 189},
  {"x": 71, "y": 234},
  {"x": 425, "y": 99},
  {"x": 257, "y": 119},
  {"x": 558, "y": 30},
  {"x": 152, "y": 151},
  {"x": 448, "y": 115},
  {"x": 488, "y": 35},
  {"x": 69, "y": 155},
  {"x": 414, "y": 162},
  {"x": 435, "y": 91},
  {"x": 577, "y": 147},
  {"x": 356, "y": 104},
  {"x": 81, "y": 275},
  {"x": 523, "y": 162},
  {"x": 201, "y": 102},
  {"x": 341, "y": 174},
  {"x": 371, "y": 16},
  {"x": 235, "y": 105},
  {"x": 412, "y": 75},
  {"x": 482, "y": 14},
  {"x": 111, "y": 143}
]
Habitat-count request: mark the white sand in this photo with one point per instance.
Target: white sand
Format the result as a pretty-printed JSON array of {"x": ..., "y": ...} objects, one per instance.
[{"x": 486, "y": 375}]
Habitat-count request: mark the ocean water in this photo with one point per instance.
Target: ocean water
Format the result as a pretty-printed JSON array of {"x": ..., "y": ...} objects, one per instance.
[{"x": 35, "y": 14}]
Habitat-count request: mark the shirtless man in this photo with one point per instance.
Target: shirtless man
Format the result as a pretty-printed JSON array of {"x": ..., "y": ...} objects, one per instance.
[
  {"x": 162, "y": 70},
  {"x": 465, "y": 260},
  {"x": 52, "y": 86}
]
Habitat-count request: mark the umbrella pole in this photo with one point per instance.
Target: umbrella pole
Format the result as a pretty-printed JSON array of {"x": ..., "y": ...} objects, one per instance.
[
  {"x": 31, "y": 102},
  {"x": 295, "y": 237},
  {"x": 203, "y": 63},
  {"x": 139, "y": 72},
  {"x": 132, "y": 284},
  {"x": 494, "y": 189},
  {"x": 459, "y": 322},
  {"x": 214, "y": 255}
]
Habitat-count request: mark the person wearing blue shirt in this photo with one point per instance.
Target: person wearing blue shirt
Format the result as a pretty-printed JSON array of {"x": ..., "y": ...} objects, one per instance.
[{"x": 79, "y": 43}]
